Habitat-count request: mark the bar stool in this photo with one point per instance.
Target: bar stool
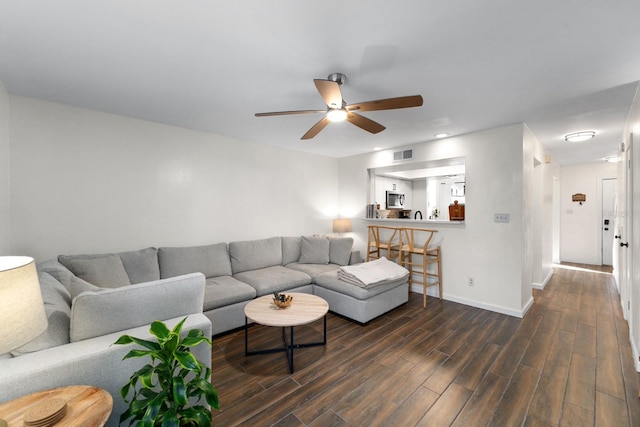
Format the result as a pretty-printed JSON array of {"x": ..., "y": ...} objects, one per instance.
[
  {"x": 420, "y": 242},
  {"x": 383, "y": 238}
]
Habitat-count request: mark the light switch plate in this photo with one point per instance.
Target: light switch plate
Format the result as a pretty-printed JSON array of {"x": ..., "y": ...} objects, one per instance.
[{"x": 500, "y": 217}]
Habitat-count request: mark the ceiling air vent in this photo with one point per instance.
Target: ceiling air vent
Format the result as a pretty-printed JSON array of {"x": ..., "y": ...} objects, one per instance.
[{"x": 399, "y": 156}]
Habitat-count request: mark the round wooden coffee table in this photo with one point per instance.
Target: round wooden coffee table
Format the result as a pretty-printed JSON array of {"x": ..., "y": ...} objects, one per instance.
[
  {"x": 304, "y": 309},
  {"x": 86, "y": 406}
]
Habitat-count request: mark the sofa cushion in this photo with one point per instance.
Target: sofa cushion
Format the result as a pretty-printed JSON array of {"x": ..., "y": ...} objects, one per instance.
[
  {"x": 255, "y": 254},
  {"x": 225, "y": 290},
  {"x": 141, "y": 265},
  {"x": 105, "y": 271},
  {"x": 271, "y": 279},
  {"x": 290, "y": 249},
  {"x": 111, "y": 310},
  {"x": 314, "y": 250},
  {"x": 329, "y": 280},
  {"x": 58, "y": 311},
  {"x": 210, "y": 260},
  {"x": 340, "y": 250},
  {"x": 313, "y": 270}
]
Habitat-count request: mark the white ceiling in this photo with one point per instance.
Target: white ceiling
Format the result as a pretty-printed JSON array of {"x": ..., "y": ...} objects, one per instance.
[{"x": 558, "y": 65}]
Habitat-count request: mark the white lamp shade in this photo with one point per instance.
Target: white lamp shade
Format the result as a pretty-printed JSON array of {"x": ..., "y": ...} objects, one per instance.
[
  {"x": 342, "y": 225},
  {"x": 22, "y": 315}
]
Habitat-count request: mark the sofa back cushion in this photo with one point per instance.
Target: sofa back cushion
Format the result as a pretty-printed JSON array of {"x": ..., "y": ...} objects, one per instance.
[
  {"x": 106, "y": 271},
  {"x": 340, "y": 250},
  {"x": 290, "y": 249},
  {"x": 255, "y": 254},
  {"x": 140, "y": 266},
  {"x": 210, "y": 260},
  {"x": 111, "y": 310},
  {"x": 314, "y": 250}
]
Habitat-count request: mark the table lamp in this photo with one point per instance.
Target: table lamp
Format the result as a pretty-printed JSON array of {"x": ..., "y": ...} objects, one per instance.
[
  {"x": 22, "y": 315},
  {"x": 342, "y": 225}
]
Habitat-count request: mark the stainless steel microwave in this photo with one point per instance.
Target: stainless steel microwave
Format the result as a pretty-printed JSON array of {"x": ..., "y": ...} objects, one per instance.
[{"x": 395, "y": 200}]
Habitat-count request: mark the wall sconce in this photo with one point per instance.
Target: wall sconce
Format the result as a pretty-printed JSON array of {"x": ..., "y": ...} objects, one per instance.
[{"x": 579, "y": 197}]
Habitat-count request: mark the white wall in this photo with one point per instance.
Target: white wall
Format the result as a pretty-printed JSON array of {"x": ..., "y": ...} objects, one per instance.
[
  {"x": 491, "y": 253},
  {"x": 85, "y": 181},
  {"x": 4, "y": 171},
  {"x": 580, "y": 228},
  {"x": 628, "y": 226},
  {"x": 539, "y": 170}
]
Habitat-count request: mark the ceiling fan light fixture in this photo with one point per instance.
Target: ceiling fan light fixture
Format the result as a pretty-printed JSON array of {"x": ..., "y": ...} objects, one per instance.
[
  {"x": 579, "y": 136},
  {"x": 337, "y": 115}
]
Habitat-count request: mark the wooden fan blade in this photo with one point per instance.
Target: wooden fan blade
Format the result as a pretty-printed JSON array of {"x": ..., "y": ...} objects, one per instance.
[
  {"x": 364, "y": 123},
  {"x": 315, "y": 129},
  {"x": 330, "y": 92},
  {"x": 285, "y": 113},
  {"x": 387, "y": 104}
]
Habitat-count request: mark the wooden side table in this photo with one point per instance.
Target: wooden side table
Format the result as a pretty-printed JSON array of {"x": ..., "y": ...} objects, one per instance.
[{"x": 87, "y": 406}]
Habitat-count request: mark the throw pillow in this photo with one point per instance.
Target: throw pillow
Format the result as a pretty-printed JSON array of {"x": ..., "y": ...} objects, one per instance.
[
  {"x": 105, "y": 272},
  {"x": 58, "y": 317},
  {"x": 314, "y": 250},
  {"x": 340, "y": 250}
]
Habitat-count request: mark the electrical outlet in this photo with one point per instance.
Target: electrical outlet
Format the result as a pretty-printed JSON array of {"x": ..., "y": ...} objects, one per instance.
[
  {"x": 500, "y": 217},
  {"x": 470, "y": 281}
]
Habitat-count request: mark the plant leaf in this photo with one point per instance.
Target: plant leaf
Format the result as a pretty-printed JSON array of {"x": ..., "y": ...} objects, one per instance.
[
  {"x": 171, "y": 345},
  {"x": 194, "y": 341},
  {"x": 171, "y": 418},
  {"x": 180, "y": 391},
  {"x": 178, "y": 328},
  {"x": 187, "y": 360},
  {"x": 127, "y": 339},
  {"x": 159, "y": 330},
  {"x": 210, "y": 393}
]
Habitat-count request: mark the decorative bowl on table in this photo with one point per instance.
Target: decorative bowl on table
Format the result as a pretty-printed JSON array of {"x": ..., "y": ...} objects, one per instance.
[{"x": 282, "y": 300}]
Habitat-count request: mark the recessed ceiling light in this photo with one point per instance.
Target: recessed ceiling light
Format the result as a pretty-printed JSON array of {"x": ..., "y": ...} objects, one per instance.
[
  {"x": 612, "y": 159},
  {"x": 441, "y": 135},
  {"x": 377, "y": 148},
  {"x": 580, "y": 136}
]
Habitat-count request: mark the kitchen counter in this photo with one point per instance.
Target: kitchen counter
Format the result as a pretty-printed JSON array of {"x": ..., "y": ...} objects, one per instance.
[{"x": 414, "y": 222}]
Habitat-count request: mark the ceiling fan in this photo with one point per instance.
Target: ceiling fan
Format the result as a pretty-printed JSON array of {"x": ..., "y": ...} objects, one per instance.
[{"x": 338, "y": 109}]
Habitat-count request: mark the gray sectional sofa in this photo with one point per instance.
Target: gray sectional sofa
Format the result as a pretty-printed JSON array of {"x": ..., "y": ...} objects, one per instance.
[{"x": 92, "y": 299}]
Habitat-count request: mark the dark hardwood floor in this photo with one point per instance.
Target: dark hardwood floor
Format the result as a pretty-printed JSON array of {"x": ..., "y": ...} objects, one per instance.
[{"x": 567, "y": 363}]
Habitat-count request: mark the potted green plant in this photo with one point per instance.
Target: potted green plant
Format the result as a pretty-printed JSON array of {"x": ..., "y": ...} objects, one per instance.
[{"x": 166, "y": 391}]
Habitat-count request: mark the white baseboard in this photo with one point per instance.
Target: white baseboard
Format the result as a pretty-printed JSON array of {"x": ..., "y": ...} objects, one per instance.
[
  {"x": 542, "y": 285},
  {"x": 491, "y": 307},
  {"x": 636, "y": 354}
]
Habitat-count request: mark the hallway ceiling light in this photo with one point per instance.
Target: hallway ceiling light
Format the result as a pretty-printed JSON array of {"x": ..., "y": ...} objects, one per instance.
[{"x": 579, "y": 136}]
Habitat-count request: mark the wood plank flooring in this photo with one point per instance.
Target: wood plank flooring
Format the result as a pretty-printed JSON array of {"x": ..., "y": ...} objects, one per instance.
[{"x": 567, "y": 363}]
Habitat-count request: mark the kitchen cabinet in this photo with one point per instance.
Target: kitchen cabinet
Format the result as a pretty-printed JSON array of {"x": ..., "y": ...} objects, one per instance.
[{"x": 384, "y": 184}]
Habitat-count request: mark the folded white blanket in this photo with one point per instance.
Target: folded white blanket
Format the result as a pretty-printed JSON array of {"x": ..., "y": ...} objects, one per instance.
[{"x": 372, "y": 273}]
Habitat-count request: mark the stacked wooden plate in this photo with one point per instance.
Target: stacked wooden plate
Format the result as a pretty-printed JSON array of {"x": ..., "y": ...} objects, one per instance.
[{"x": 46, "y": 413}]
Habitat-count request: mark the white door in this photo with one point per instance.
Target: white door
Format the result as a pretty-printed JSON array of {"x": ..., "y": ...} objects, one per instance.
[{"x": 608, "y": 216}]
